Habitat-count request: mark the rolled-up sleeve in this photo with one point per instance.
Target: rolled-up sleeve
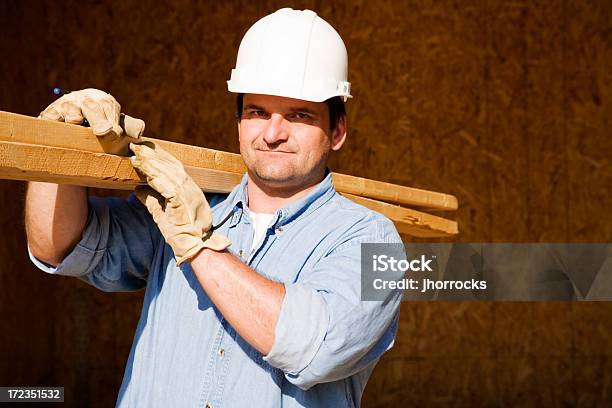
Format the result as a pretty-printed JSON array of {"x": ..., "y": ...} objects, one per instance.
[
  {"x": 325, "y": 332},
  {"x": 116, "y": 248}
]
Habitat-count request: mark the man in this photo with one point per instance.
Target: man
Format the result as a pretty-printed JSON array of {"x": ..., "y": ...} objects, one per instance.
[{"x": 263, "y": 309}]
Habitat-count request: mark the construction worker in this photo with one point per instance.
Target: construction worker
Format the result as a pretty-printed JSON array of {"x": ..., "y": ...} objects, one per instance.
[{"x": 265, "y": 310}]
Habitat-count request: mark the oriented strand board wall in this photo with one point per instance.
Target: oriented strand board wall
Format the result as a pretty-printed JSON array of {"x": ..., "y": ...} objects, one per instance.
[{"x": 505, "y": 104}]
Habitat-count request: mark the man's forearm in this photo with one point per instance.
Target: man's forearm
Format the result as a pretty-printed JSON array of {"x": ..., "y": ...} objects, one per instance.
[
  {"x": 55, "y": 216},
  {"x": 249, "y": 302}
]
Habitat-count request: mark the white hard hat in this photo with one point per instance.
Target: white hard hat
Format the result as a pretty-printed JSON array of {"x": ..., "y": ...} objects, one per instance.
[{"x": 292, "y": 53}]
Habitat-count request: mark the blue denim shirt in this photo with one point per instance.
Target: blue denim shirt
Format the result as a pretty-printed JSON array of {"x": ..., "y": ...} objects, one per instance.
[{"x": 185, "y": 354}]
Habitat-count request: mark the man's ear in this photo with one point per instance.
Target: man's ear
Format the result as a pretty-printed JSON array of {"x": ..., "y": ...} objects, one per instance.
[{"x": 339, "y": 135}]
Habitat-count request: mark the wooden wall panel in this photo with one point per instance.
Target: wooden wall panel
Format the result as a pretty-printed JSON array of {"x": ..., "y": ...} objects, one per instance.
[
  {"x": 505, "y": 104},
  {"x": 546, "y": 123},
  {"x": 505, "y": 136},
  {"x": 588, "y": 111}
]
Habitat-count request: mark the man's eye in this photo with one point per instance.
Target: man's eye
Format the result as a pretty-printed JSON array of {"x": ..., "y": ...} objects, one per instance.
[
  {"x": 257, "y": 113},
  {"x": 301, "y": 115}
]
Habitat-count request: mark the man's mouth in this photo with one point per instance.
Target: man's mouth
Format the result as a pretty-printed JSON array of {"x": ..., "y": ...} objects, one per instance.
[{"x": 274, "y": 151}]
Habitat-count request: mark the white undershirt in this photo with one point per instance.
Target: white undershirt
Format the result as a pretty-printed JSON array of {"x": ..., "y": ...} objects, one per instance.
[{"x": 261, "y": 221}]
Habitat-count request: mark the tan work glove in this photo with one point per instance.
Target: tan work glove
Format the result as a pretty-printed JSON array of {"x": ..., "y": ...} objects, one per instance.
[
  {"x": 176, "y": 203},
  {"x": 103, "y": 113}
]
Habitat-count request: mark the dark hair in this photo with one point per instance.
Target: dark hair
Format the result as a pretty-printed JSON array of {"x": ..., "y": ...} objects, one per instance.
[{"x": 336, "y": 107}]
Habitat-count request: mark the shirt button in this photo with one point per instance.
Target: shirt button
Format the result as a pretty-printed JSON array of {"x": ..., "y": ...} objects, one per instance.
[
  {"x": 279, "y": 230},
  {"x": 208, "y": 406},
  {"x": 221, "y": 352},
  {"x": 240, "y": 253}
]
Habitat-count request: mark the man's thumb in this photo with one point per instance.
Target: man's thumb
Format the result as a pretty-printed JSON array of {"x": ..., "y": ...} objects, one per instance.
[{"x": 131, "y": 126}]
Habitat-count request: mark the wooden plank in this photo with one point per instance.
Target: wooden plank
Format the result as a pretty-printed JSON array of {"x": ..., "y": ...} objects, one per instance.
[
  {"x": 25, "y": 129},
  {"x": 393, "y": 193},
  {"x": 409, "y": 221},
  {"x": 21, "y": 161}
]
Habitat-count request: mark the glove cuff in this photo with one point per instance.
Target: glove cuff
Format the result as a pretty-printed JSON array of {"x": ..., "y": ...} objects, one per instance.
[{"x": 215, "y": 242}]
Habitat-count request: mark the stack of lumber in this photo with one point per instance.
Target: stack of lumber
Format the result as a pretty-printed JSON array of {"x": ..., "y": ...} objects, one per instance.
[{"x": 33, "y": 149}]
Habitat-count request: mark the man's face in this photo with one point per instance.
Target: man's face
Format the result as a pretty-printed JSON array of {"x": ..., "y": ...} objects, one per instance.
[{"x": 285, "y": 142}]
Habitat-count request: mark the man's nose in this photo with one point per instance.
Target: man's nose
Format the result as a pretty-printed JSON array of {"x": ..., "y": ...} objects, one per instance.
[{"x": 276, "y": 129}]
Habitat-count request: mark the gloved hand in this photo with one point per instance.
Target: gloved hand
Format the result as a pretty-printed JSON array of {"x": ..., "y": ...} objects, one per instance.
[
  {"x": 176, "y": 203},
  {"x": 102, "y": 111}
]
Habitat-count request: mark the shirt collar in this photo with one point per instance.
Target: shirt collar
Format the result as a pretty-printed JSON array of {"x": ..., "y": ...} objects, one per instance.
[{"x": 295, "y": 210}]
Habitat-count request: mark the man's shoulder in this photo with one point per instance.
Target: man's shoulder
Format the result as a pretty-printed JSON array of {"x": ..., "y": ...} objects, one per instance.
[
  {"x": 351, "y": 209},
  {"x": 361, "y": 220}
]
